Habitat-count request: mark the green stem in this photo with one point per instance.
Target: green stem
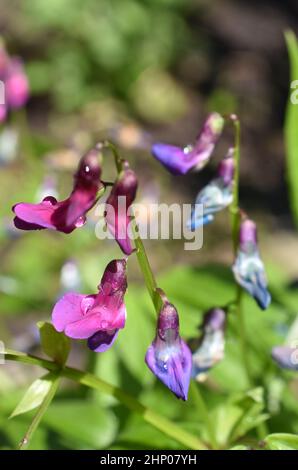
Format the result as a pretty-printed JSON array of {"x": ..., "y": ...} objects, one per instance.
[
  {"x": 235, "y": 222},
  {"x": 203, "y": 412},
  {"x": 89, "y": 380},
  {"x": 147, "y": 272},
  {"x": 40, "y": 412},
  {"x": 117, "y": 158}
]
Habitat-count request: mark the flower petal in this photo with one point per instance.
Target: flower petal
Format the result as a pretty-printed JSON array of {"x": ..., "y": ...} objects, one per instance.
[
  {"x": 174, "y": 158},
  {"x": 67, "y": 310},
  {"x": 173, "y": 371},
  {"x": 102, "y": 340}
]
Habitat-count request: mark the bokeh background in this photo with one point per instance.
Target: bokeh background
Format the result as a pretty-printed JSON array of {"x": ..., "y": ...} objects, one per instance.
[{"x": 137, "y": 71}]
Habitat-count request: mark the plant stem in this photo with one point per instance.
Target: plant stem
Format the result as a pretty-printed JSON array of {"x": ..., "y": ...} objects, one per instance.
[
  {"x": 89, "y": 380},
  {"x": 144, "y": 264},
  {"x": 117, "y": 158},
  {"x": 203, "y": 412},
  {"x": 235, "y": 222},
  {"x": 40, "y": 412}
]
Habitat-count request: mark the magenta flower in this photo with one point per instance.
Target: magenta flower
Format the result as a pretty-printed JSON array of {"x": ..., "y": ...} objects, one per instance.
[
  {"x": 169, "y": 357},
  {"x": 69, "y": 214},
  {"x": 180, "y": 161},
  {"x": 117, "y": 208},
  {"x": 99, "y": 317}
]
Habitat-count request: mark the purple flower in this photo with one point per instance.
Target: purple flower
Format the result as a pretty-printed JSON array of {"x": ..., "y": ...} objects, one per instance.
[
  {"x": 168, "y": 357},
  {"x": 248, "y": 267},
  {"x": 69, "y": 214},
  {"x": 117, "y": 208},
  {"x": 216, "y": 196},
  {"x": 286, "y": 357},
  {"x": 212, "y": 342},
  {"x": 97, "y": 317},
  {"x": 180, "y": 161}
]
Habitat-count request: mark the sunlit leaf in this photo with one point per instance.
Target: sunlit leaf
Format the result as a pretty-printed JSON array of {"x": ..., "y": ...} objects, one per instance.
[
  {"x": 55, "y": 345},
  {"x": 34, "y": 396}
]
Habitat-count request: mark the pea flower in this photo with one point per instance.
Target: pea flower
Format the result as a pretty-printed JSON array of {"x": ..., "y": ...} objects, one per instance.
[
  {"x": 99, "y": 317},
  {"x": 69, "y": 214},
  {"x": 248, "y": 267},
  {"x": 118, "y": 203},
  {"x": 286, "y": 357},
  {"x": 216, "y": 196},
  {"x": 180, "y": 161},
  {"x": 169, "y": 357},
  {"x": 211, "y": 344}
]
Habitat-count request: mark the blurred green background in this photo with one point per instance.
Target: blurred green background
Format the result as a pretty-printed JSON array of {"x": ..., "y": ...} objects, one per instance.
[{"x": 137, "y": 71}]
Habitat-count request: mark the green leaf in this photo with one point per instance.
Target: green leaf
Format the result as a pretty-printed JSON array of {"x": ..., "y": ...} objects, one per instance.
[
  {"x": 291, "y": 123},
  {"x": 55, "y": 345},
  {"x": 281, "y": 441},
  {"x": 34, "y": 395}
]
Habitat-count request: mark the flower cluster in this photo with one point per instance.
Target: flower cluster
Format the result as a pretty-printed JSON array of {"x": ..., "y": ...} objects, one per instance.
[{"x": 16, "y": 86}]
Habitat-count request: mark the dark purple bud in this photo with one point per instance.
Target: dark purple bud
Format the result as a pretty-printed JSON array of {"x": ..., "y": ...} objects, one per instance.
[
  {"x": 118, "y": 203},
  {"x": 168, "y": 357}
]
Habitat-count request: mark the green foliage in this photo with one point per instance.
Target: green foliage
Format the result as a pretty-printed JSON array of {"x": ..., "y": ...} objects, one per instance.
[
  {"x": 34, "y": 395},
  {"x": 55, "y": 345},
  {"x": 281, "y": 442},
  {"x": 291, "y": 134}
]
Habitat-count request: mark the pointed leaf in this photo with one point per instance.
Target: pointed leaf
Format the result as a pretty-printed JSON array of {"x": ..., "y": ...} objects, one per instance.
[
  {"x": 34, "y": 395},
  {"x": 280, "y": 441},
  {"x": 55, "y": 345}
]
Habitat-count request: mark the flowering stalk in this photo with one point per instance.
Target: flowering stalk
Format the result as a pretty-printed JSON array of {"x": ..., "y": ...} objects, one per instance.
[{"x": 235, "y": 222}]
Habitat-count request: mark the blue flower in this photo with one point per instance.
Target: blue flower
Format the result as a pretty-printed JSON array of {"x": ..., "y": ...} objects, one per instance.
[
  {"x": 216, "y": 196},
  {"x": 248, "y": 267}
]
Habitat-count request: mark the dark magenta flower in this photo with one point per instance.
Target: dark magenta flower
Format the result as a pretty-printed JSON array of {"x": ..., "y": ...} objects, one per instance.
[
  {"x": 180, "y": 161},
  {"x": 248, "y": 267},
  {"x": 216, "y": 196},
  {"x": 286, "y": 357},
  {"x": 99, "y": 317},
  {"x": 69, "y": 214},
  {"x": 118, "y": 203},
  {"x": 212, "y": 342},
  {"x": 169, "y": 357}
]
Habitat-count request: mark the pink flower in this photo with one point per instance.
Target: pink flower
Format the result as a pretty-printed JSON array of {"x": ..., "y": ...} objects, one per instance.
[
  {"x": 97, "y": 317},
  {"x": 16, "y": 84},
  {"x": 69, "y": 214},
  {"x": 120, "y": 199}
]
